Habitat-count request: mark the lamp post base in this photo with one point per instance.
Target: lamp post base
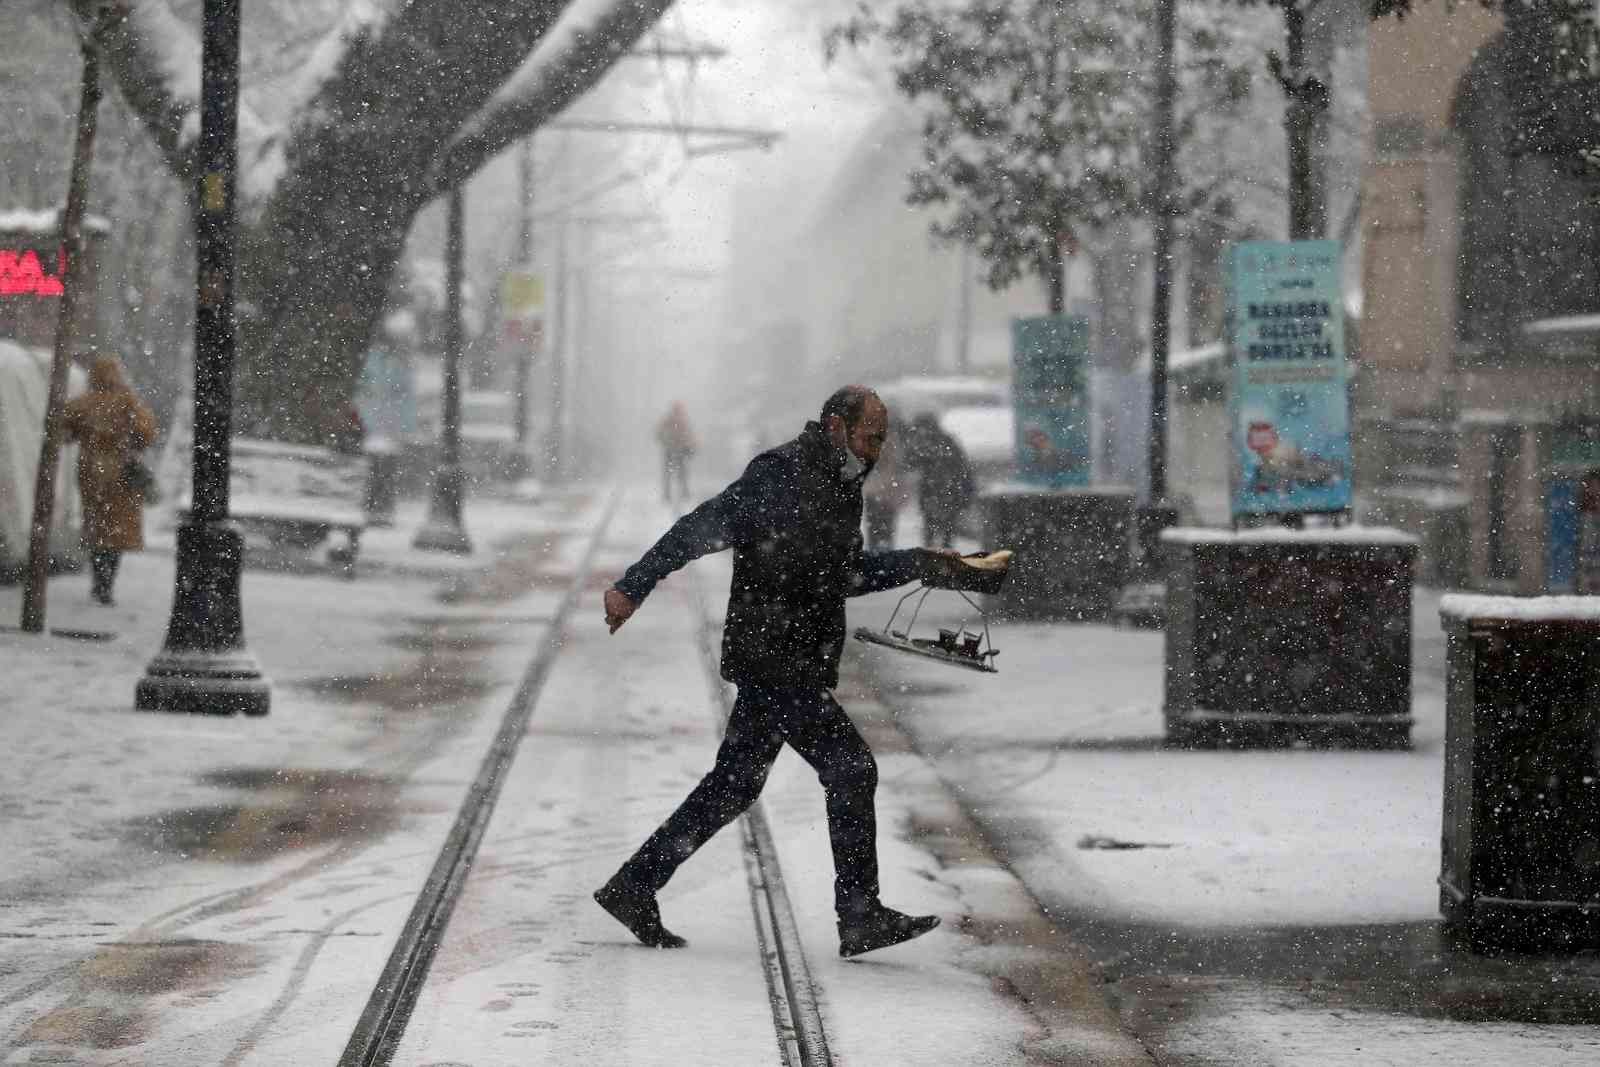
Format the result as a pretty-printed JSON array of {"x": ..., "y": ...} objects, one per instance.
[
  {"x": 204, "y": 667},
  {"x": 443, "y": 532},
  {"x": 204, "y": 683}
]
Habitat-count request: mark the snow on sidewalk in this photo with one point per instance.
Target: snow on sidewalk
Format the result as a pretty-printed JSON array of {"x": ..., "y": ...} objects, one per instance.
[
  {"x": 1327, "y": 854},
  {"x": 189, "y": 889}
]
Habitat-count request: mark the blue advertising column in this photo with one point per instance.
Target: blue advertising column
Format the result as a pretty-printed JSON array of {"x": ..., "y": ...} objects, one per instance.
[
  {"x": 1289, "y": 402},
  {"x": 1050, "y": 399},
  {"x": 1071, "y": 538},
  {"x": 1276, "y": 635}
]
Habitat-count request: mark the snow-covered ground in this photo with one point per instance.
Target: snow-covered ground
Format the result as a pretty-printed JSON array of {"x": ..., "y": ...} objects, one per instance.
[
  {"x": 1060, "y": 759},
  {"x": 186, "y": 890},
  {"x": 225, "y": 891}
]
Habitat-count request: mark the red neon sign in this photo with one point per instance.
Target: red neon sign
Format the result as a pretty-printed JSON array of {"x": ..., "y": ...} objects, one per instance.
[{"x": 21, "y": 273}]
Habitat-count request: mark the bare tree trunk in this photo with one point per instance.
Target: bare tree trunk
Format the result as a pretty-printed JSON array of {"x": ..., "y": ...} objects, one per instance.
[
  {"x": 1055, "y": 276},
  {"x": 44, "y": 486},
  {"x": 410, "y": 112},
  {"x": 1306, "y": 106},
  {"x": 1162, "y": 163}
]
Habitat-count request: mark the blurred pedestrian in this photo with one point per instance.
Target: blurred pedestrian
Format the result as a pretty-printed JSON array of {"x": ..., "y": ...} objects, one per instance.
[
  {"x": 945, "y": 482},
  {"x": 112, "y": 427},
  {"x": 677, "y": 441},
  {"x": 793, "y": 521},
  {"x": 347, "y": 432},
  {"x": 887, "y": 490}
]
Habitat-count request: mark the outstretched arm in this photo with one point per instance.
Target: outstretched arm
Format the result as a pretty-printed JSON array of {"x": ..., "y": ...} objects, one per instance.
[
  {"x": 876, "y": 571},
  {"x": 721, "y": 522}
]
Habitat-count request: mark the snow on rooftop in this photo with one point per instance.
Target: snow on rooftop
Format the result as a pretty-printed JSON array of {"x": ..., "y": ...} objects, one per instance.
[
  {"x": 985, "y": 434},
  {"x": 1189, "y": 358},
  {"x": 1486, "y": 417},
  {"x": 1520, "y": 608},
  {"x": 47, "y": 222},
  {"x": 1564, "y": 324},
  {"x": 1018, "y": 488},
  {"x": 1316, "y": 535}
]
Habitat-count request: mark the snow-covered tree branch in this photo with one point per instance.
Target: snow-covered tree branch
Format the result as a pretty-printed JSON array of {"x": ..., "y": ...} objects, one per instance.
[
  {"x": 586, "y": 45},
  {"x": 354, "y": 116},
  {"x": 155, "y": 57}
]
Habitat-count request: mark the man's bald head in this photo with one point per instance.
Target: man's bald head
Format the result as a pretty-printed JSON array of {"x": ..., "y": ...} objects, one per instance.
[
  {"x": 849, "y": 403},
  {"x": 856, "y": 418}
]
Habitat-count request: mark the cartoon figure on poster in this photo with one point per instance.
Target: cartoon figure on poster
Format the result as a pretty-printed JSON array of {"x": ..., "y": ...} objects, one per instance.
[
  {"x": 1284, "y": 467},
  {"x": 1289, "y": 395}
]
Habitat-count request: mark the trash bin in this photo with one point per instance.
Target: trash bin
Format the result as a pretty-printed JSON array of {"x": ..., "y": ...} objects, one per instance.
[
  {"x": 383, "y": 479},
  {"x": 1277, "y": 636},
  {"x": 1520, "y": 847},
  {"x": 1072, "y": 548}
]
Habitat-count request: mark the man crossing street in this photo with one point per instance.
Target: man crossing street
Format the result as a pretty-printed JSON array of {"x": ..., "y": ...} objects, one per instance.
[{"x": 793, "y": 521}]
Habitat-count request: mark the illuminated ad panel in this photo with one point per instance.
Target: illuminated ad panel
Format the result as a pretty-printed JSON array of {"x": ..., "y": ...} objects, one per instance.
[{"x": 26, "y": 272}]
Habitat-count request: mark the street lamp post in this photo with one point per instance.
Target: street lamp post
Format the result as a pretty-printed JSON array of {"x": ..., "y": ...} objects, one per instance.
[
  {"x": 443, "y": 532},
  {"x": 204, "y": 665},
  {"x": 1157, "y": 512},
  {"x": 525, "y": 261}
]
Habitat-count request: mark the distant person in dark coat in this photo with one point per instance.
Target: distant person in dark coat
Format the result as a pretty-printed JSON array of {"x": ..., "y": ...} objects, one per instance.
[
  {"x": 112, "y": 426},
  {"x": 886, "y": 492},
  {"x": 793, "y": 520},
  {"x": 945, "y": 481},
  {"x": 678, "y": 444}
]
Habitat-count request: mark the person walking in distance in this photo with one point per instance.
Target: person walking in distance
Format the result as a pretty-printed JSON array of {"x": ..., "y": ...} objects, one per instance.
[
  {"x": 886, "y": 491},
  {"x": 793, "y": 521},
  {"x": 676, "y": 438},
  {"x": 945, "y": 481},
  {"x": 112, "y": 426}
]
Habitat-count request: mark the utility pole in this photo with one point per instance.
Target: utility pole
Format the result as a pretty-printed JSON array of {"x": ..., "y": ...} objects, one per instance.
[
  {"x": 1157, "y": 514},
  {"x": 204, "y": 665},
  {"x": 555, "y": 445},
  {"x": 579, "y": 340},
  {"x": 34, "y": 593},
  {"x": 525, "y": 262},
  {"x": 964, "y": 312},
  {"x": 443, "y": 531}
]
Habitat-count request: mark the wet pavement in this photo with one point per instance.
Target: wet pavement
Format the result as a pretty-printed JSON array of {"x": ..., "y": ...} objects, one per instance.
[{"x": 228, "y": 891}]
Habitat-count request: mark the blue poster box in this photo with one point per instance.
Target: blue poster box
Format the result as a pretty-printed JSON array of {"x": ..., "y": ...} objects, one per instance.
[
  {"x": 1289, "y": 398},
  {"x": 1050, "y": 397}
]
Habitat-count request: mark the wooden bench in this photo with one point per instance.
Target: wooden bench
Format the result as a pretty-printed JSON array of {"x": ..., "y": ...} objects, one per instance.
[{"x": 296, "y": 495}]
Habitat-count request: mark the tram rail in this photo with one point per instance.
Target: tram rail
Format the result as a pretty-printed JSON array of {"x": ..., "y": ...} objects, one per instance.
[{"x": 800, "y": 1036}]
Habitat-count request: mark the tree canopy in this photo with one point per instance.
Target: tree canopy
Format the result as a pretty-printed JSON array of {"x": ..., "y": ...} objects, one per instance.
[
  {"x": 1037, "y": 122},
  {"x": 353, "y": 117}
]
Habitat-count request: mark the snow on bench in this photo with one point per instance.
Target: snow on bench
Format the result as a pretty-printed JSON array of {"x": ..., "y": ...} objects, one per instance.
[{"x": 295, "y": 495}]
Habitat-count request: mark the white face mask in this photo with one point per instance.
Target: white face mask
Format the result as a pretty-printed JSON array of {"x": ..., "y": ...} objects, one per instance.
[{"x": 851, "y": 467}]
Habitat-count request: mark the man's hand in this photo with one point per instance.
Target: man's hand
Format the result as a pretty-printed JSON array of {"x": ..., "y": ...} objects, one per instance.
[{"x": 618, "y": 608}]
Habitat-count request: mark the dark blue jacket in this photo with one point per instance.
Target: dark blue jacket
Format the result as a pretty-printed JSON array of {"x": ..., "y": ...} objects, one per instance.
[{"x": 795, "y": 529}]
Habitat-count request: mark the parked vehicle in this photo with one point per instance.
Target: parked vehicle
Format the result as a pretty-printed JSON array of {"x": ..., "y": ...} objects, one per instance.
[{"x": 916, "y": 395}]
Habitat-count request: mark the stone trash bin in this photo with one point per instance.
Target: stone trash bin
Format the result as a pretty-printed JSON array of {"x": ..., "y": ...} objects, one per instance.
[
  {"x": 1520, "y": 848},
  {"x": 1278, "y": 635},
  {"x": 1073, "y": 548}
]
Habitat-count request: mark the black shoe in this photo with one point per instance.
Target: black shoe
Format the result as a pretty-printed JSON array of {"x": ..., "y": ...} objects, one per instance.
[
  {"x": 881, "y": 927},
  {"x": 638, "y": 912}
]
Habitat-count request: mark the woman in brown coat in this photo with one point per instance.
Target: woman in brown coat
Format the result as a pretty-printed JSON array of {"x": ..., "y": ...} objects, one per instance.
[{"x": 112, "y": 425}]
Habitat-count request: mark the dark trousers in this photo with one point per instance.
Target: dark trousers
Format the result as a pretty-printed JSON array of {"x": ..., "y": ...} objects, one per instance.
[
  {"x": 103, "y": 564},
  {"x": 765, "y": 719},
  {"x": 880, "y": 516},
  {"x": 939, "y": 526},
  {"x": 674, "y": 468}
]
